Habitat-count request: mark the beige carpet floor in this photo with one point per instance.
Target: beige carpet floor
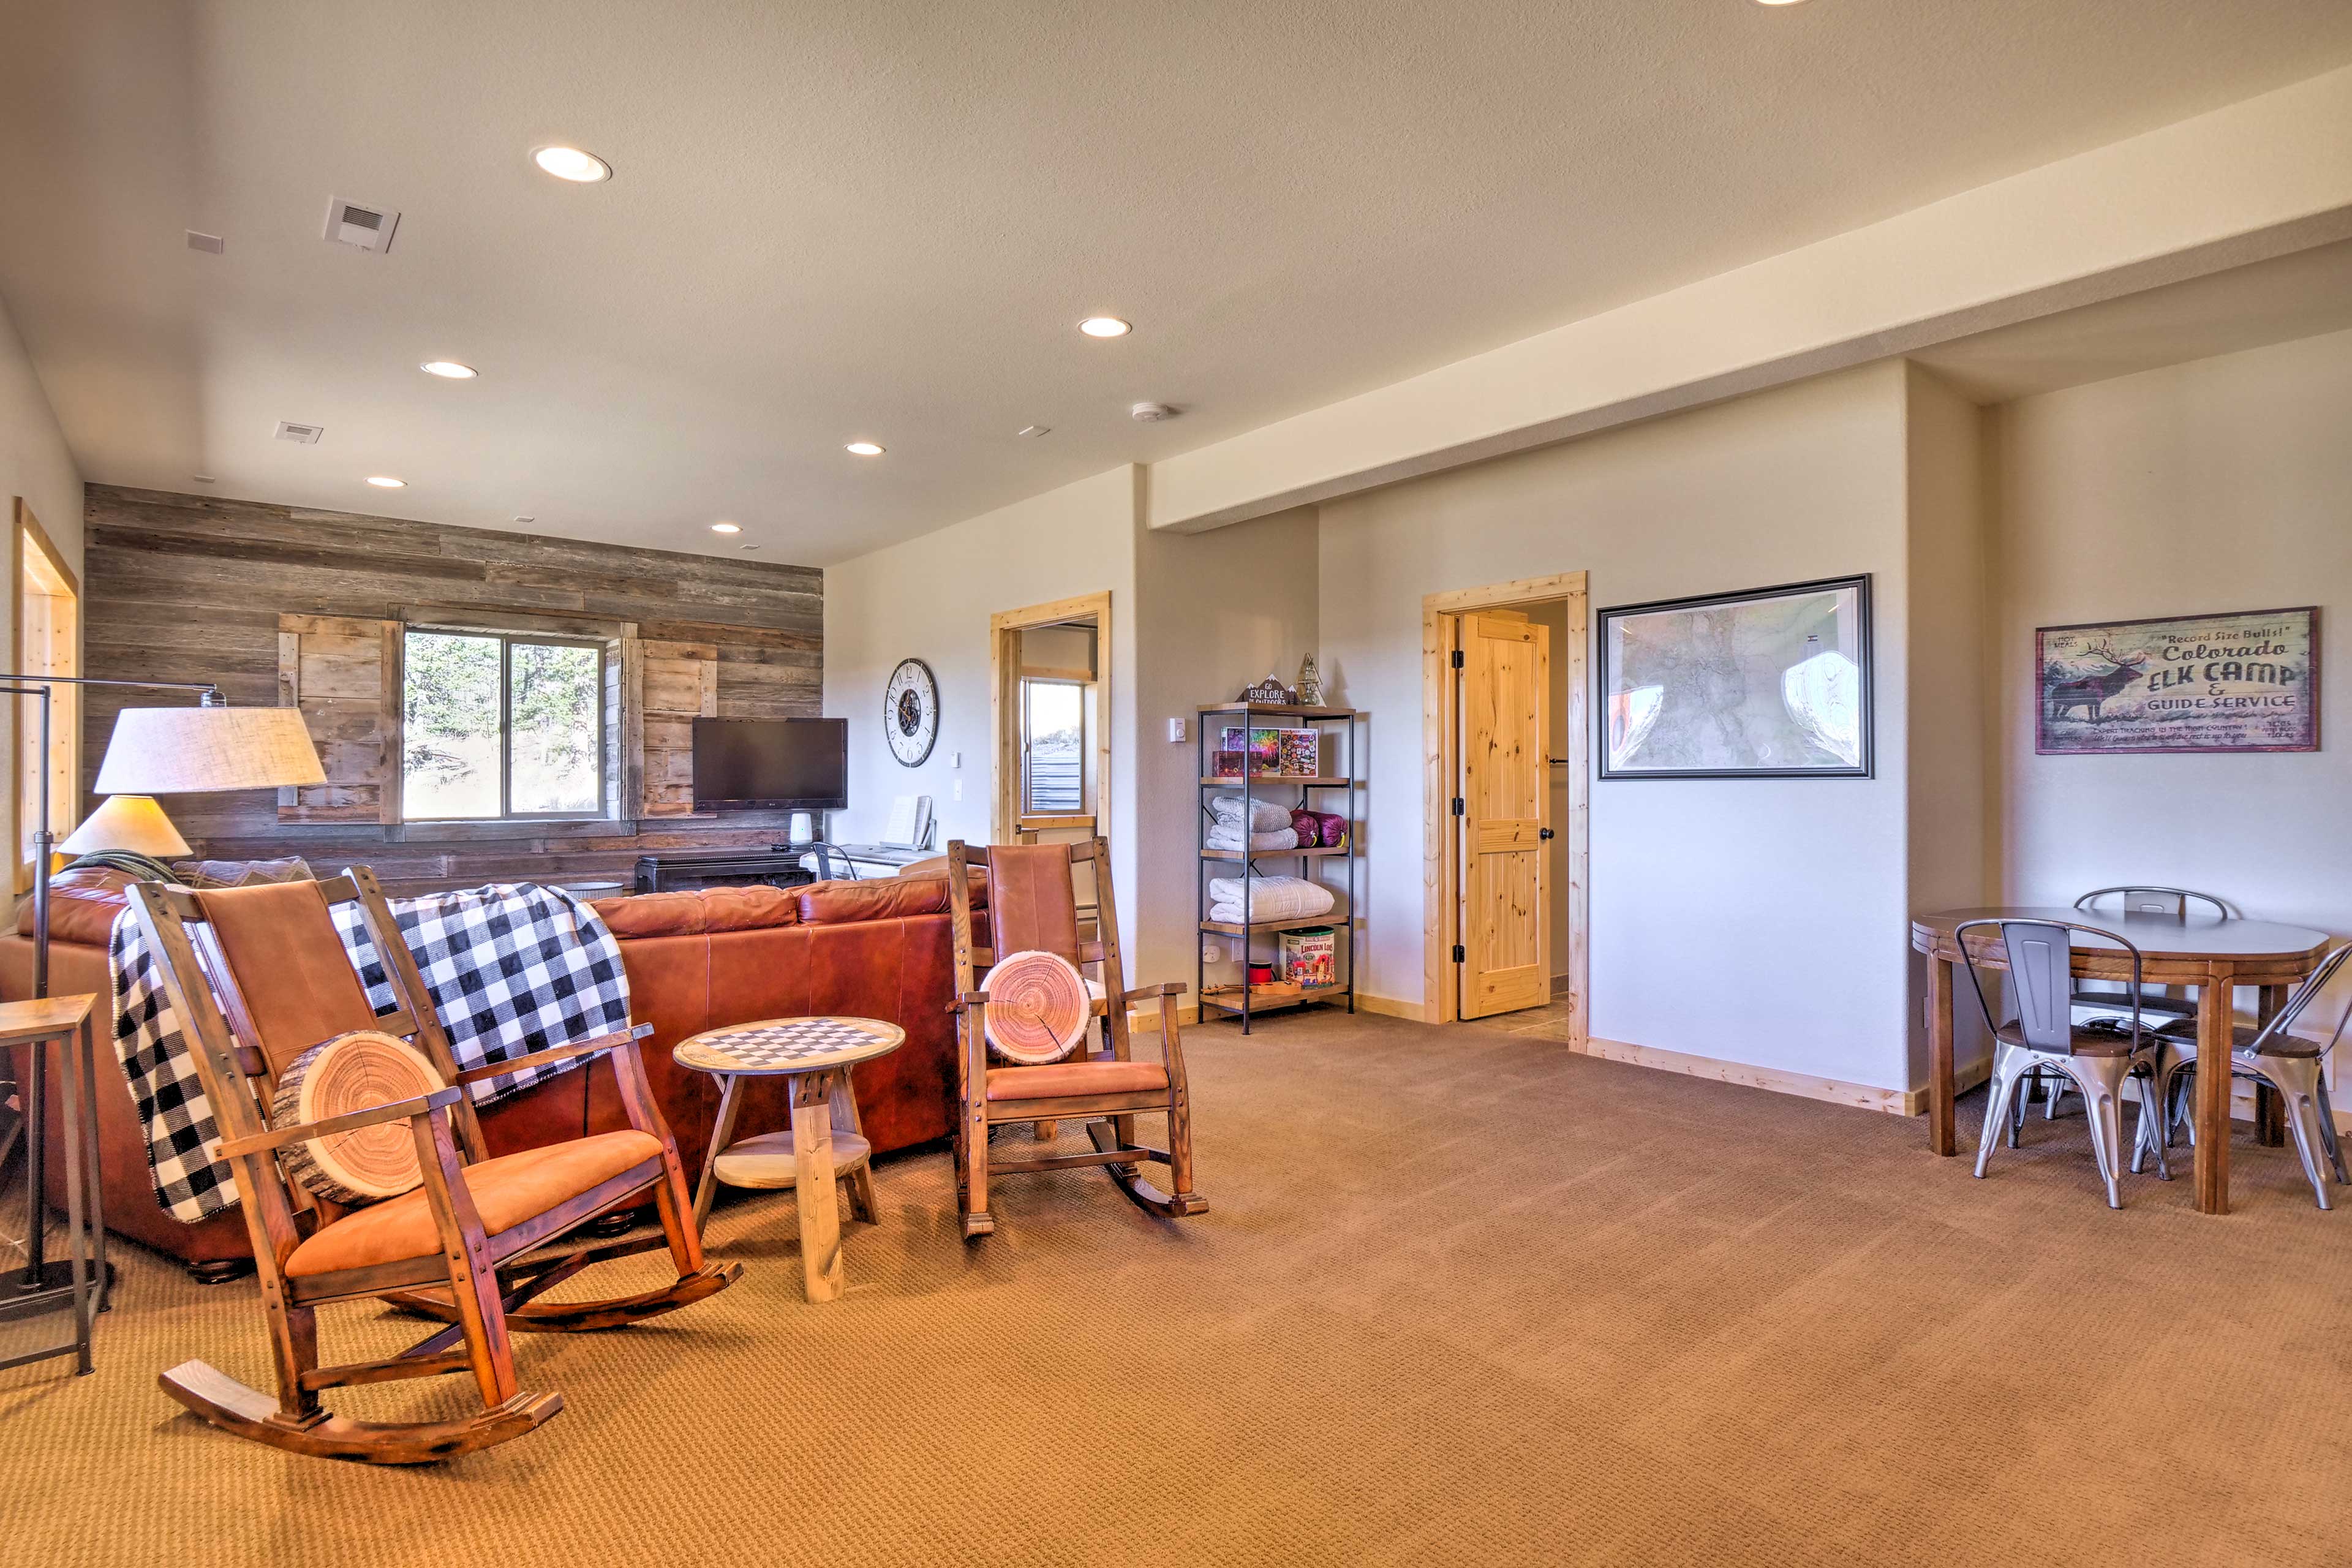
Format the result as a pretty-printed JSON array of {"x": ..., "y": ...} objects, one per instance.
[{"x": 1462, "y": 1298}]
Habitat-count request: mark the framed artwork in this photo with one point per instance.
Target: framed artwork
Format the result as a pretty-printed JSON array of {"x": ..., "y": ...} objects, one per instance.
[
  {"x": 1766, "y": 683},
  {"x": 2242, "y": 682}
]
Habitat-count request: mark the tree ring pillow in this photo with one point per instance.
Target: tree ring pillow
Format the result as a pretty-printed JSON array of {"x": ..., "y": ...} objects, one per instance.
[
  {"x": 1038, "y": 1007},
  {"x": 357, "y": 1071}
]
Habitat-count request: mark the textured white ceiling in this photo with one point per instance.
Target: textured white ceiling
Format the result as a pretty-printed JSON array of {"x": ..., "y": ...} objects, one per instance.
[{"x": 883, "y": 218}]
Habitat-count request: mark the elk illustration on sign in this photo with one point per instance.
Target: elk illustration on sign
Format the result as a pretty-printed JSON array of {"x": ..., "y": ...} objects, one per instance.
[
  {"x": 2244, "y": 683},
  {"x": 2110, "y": 674}
]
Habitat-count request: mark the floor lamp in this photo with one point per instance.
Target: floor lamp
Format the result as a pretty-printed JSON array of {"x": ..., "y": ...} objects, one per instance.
[{"x": 153, "y": 751}]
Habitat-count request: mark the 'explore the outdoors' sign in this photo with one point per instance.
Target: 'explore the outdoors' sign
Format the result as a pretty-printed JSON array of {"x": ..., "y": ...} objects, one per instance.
[{"x": 2246, "y": 682}]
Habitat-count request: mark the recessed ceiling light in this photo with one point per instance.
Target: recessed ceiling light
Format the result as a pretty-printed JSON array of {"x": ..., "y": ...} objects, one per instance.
[
  {"x": 1779, "y": 1},
  {"x": 726, "y": 528},
  {"x": 386, "y": 482},
  {"x": 448, "y": 370},
  {"x": 866, "y": 448},
  {"x": 1106, "y": 327},
  {"x": 571, "y": 164}
]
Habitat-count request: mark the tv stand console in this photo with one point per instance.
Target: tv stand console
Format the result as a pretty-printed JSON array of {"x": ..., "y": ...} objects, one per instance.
[{"x": 777, "y": 865}]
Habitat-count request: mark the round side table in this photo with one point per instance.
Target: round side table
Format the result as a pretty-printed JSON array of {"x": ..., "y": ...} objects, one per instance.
[{"x": 825, "y": 1145}]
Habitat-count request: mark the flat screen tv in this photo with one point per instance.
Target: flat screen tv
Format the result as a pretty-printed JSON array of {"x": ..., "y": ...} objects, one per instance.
[{"x": 779, "y": 765}]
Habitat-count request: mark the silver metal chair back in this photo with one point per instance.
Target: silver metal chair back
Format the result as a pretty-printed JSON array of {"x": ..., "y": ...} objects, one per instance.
[
  {"x": 2173, "y": 902},
  {"x": 2041, "y": 955},
  {"x": 2275, "y": 1041}
]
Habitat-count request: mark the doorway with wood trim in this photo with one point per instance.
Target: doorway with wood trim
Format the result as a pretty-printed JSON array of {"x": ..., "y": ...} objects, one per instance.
[
  {"x": 1049, "y": 685},
  {"x": 1506, "y": 827}
]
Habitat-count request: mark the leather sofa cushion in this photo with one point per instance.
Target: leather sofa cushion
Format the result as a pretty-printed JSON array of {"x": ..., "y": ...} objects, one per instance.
[
  {"x": 1100, "y": 1073},
  {"x": 83, "y": 903},
  {"x": 506, "y": 1190},
  {"x": 884, "y": 898}
]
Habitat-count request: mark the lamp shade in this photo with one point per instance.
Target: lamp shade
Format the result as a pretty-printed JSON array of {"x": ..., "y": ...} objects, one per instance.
[
  {"x": 176, "y": 750},
  {"x": 131, "y": 821}
]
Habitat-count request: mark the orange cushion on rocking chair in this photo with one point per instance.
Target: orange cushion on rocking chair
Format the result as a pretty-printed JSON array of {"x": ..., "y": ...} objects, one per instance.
[{"x": 357, "y": 1071}]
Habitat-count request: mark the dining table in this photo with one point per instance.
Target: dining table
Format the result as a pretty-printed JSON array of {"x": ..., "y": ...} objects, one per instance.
[{"x": 2214, "y": 954}]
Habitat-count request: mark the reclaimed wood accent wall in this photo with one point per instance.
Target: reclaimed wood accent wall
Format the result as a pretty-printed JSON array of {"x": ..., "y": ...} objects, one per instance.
[{"x": 197, "y": 588}]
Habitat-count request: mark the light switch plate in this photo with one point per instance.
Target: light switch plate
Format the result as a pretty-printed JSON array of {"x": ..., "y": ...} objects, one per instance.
[
  {"x": 955, "y": 760},
  {"x": 1175, "y": 730}
]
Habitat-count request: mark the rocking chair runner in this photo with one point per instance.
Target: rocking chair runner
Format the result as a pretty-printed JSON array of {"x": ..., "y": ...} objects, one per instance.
[
  {"x": 1032, "y": 906},
  {"x": 469, "y": 1246}
]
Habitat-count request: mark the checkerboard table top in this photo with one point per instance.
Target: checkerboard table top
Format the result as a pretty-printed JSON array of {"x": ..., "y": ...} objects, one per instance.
[{"x": 788, "y": 1045}]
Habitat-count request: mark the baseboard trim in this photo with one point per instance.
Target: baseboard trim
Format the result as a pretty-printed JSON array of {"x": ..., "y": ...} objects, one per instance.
[
  {"x": 1835, "y": 1091},
  {"x": 1391, "y": 1006}
]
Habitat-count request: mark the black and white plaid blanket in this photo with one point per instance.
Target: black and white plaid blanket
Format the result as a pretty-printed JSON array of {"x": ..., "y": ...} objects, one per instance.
[{"x": 512, "y": 968}]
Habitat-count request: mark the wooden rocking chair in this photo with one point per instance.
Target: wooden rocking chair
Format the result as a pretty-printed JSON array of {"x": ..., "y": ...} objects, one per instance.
[
  {"x": 1032, "y": 906},
  {"x": 471, "y": 1246}
]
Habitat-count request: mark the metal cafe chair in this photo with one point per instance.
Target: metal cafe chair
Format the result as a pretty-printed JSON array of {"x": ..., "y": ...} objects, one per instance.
[
  {"x": 2044, "y": 1037},
  {"x": 2291, "y": 1064},
  {"x": 2166, "y": 1002}
]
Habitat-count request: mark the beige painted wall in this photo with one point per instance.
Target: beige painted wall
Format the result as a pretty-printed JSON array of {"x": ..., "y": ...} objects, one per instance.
[
  {"x": 34, "y": 463},
  {"x": 1950, "y": 735},
  {"x": 1759, "y": 920},
  {"x": 2222, "y": 484},
  {"x": 1216, "y": 612},
  {"x": 930, "y": 598}
]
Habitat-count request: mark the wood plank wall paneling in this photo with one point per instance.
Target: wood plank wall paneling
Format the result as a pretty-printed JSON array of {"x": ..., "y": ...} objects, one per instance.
[{"x": 191, "y": 588}]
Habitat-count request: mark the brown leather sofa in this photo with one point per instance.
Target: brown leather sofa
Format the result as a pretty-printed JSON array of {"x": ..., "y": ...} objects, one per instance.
[{"x": 696, "y": 960}]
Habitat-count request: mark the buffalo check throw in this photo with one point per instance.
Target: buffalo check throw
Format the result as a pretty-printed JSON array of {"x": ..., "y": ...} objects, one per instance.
[{"x": 511, "y": 969}]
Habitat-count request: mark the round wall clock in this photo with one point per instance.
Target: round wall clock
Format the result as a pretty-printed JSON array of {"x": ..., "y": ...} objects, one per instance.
[{"x": 910, "y": 712}]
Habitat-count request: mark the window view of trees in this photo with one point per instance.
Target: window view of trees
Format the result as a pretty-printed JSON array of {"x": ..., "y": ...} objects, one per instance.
[{"x": 499, "y": 726}]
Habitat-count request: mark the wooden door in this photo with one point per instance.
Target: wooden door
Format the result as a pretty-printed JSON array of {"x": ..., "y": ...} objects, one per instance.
[{"x": 1505, "y": 708}]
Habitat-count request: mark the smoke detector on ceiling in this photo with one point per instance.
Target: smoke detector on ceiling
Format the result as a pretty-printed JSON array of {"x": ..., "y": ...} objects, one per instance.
[
  {"x": 1151, "y": 413},
  {"x": 369, "y": 228},
  {"x": 306, "y": 434}
]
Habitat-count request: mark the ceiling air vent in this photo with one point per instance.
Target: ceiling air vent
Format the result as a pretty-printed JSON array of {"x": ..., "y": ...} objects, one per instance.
[
  {"x": 348, "y": 223},
  {"x": 307, "y": 434},
  {"x": 211, "y": 244}
]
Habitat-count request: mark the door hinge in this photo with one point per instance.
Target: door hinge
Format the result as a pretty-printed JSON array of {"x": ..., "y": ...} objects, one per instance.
[
  {"x": 1457, "y": 658},
  {"x": 1457, "y": 806},
  {"x": 1461, "y": 955}
]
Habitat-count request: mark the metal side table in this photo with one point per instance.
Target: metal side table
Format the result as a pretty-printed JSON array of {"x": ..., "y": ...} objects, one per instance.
[{"x": 43, "y": 1287}]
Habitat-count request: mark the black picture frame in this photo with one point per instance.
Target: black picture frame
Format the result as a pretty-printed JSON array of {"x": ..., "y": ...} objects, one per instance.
[{"x": 1604, "y": 680}]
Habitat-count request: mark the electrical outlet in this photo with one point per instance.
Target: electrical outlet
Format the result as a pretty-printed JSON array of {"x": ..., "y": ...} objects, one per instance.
[
  {"x": 958, "y": 790},
  {"x": 955, "y": 760},
  {"x": 1211, "y": 954},
  {"x": 1175, "y": 731}
]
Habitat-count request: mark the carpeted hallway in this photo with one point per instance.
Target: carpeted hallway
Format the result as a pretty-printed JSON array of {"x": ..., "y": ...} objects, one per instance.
[{"x": 1462, "y": 1298}]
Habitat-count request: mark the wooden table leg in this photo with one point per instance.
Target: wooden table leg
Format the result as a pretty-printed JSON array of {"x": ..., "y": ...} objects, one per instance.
[
  {"x": 2215, "y": 1037},
  {"x": 721, "y": 1131},
  {"x": 1940, "y": 1057},
  {"x": 813, "y": 1185},
  {"x": 2270, "y": 1110},
  {"x": 860, "y": 1182}
]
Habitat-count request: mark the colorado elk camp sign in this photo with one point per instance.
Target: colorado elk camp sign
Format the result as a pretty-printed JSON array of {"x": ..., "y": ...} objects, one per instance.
[{"x": 2245, "y": 683}]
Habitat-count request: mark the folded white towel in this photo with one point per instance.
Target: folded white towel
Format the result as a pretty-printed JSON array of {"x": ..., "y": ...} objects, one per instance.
[
  {"x": 1270, "y": 897},
  {"x": 1265, "y": 816},
  {"x": 1222, "y": 837}
]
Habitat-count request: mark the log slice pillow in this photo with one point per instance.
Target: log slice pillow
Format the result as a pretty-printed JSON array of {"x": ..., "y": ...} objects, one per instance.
[
  {"x": 357, "y": 1071},
  {"x": 1038, "y": 1007}
]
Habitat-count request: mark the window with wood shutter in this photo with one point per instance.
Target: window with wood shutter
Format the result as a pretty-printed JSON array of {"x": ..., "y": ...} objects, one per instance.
[
  {"x": 674, "y": 683},
  {"x": 345, "y": 675}
]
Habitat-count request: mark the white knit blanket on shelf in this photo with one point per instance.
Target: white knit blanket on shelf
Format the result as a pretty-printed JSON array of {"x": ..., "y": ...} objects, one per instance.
[
  {"x": 1270, "y": 899},
  {"x": 1265, "y": 816},
  {"x": 1223, "y": 836}
]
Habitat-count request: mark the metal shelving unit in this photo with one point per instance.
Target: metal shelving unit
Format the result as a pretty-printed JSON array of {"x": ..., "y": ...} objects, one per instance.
[{"x": 1244, "y": 1001}]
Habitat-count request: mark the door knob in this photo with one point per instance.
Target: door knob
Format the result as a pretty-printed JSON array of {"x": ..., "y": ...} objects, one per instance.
[{"x": 1543, "y": 833}]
